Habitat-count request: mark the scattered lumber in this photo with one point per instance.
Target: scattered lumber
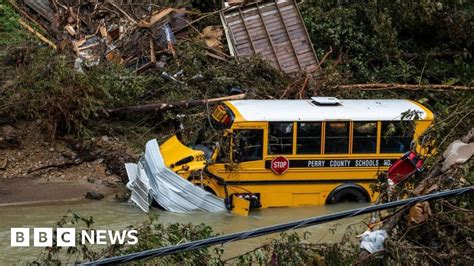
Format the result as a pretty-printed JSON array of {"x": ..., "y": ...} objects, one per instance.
[
  {"x": 157, "y": 16},
  {"x": 391, "y": 86},
  {"x": 158, "y": 107}
]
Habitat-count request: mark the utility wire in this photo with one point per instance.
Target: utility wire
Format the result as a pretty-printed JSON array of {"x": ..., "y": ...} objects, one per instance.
[{"x": 152, "y": 253}]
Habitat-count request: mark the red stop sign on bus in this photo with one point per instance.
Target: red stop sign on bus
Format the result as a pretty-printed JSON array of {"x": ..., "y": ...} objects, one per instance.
[{"x": 280, "y": 165}]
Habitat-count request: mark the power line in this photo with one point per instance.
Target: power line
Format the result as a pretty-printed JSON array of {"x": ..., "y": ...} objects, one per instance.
[{"x": 152, "y": 253}]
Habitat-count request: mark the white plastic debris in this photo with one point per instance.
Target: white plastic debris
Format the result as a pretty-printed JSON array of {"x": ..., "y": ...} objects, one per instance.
[
  {"x": 151, "y": 177},
  {"x": 373, "y": 241},
  {"x": 457, "y": 152},
  {"x": 78, "y": 65}
]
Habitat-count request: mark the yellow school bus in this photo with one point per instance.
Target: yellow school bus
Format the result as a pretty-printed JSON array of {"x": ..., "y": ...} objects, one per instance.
[{"x": 322, "y": 150}]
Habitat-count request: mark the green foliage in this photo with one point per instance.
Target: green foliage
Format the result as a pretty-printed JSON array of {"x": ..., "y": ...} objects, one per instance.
[
  {"x": 9, "y": 26},
  {"x": 48, "y": 88},
  {"x": 60, "y": 255},
  {"x": 291, "y": 248},
  {"x": 395, "y": 41},
  {"x": 151, "y": 234}
]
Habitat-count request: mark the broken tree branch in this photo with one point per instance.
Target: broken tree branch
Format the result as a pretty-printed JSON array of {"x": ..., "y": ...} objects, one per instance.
[
  {"x": 174, "y": 105},
  {"x": 37, "y": 34},
  {"x": 390, "y": 86},
  {"x": 155, "y": 18},
  {"x": 200, "y": 18},
  {"x": 325, "y": 57},
  {"x": 421, "y": 189},
  {"x": 123, "y": 12}
]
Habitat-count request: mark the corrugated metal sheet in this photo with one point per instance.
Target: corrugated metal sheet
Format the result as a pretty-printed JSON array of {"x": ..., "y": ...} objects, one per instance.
[
  {"x": 274, "y": 30},
  {"x": 151, "y": 177}
]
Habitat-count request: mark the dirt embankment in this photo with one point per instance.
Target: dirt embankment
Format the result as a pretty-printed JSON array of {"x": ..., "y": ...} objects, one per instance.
[{"x": 36, "y": 170}]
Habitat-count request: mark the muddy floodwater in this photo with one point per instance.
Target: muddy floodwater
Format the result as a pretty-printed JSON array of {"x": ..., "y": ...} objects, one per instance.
[{"x": 109, "y": 214}]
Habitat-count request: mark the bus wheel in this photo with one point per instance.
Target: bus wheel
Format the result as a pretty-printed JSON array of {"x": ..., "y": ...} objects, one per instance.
[{"x": 348, "y": 194}]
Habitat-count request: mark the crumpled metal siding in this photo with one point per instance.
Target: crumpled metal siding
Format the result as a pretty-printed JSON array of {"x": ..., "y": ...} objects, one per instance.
[{"x": 169, "y": 189}]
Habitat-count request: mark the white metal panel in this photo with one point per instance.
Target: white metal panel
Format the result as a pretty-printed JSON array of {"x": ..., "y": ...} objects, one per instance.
[
  {"x": 138, "y": 184},
  {"x": 305, "y": 110},
  {"x": 169, "y": 189}
]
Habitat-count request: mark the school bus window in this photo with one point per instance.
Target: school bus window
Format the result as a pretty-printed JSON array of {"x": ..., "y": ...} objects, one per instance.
[
  {"x": 280, "y": 138},
  {"x": 337, "y": 138},
  {"x": 224, "y": 150},
  {"x": 308, "y": 140},
  {"x": 364, "y": 137},
  {"x": 248, "y": 145},
  {"x": 396, "y": 137}
]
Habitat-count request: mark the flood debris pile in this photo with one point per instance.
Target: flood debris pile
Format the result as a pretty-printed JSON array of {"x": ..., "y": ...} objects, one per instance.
[
  {"x": 131, "y": 34},
  {"x": 436, "y": 232},
  {"x": 142, "y": 36},
  {"x": 131, "y": 54}
]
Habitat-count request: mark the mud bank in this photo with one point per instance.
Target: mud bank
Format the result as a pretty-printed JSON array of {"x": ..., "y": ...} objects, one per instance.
[{"x": 35, "y": 170}]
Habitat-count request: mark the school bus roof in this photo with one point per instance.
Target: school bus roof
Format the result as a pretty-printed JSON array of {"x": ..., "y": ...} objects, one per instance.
[{"x": 308, "y": 110}]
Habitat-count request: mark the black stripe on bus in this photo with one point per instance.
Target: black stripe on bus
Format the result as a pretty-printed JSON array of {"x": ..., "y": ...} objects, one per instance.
[
  {"x": 282, "y": 182},
  {"x": 336, "y": 163}
]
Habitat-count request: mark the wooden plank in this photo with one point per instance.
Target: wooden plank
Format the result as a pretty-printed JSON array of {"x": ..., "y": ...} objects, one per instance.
[
  {"x": 291, "y": 68},
  {"x": 301, "y": 52},
  {"x": 253, "y": 29},
  {"x": 297, "y": 31},
  {"x": 275, "y": 55},
  {"x": 256, "y": 37},
  {"x": 264, "y": 41},
  {"x": 285, "y": 53},
  {"x": 37, "y": 34},
  {"x": 291, "y": 24},
  {"x": 269, "y": 23},
  {"x": 308, "y": 61},
  {"x": 307, "y": 57},
  {"x": 303, "y": 46},
  {"x": 289, "y": 62},
  {"x": 285, "y": 57},
  {"x": 245, "y": 26},
  {"x": 245, "y": 51}
]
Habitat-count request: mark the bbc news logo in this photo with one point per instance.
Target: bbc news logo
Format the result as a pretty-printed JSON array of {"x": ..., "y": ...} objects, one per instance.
[{"x": 66, "y": 237}]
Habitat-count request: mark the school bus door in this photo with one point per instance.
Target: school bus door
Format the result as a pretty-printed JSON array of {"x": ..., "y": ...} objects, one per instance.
[{"x": 241, "y": 155}]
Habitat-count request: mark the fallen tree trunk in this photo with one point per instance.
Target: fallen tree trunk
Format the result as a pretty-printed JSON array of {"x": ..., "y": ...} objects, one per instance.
[
  {"x": 173, "y": 105},
  {"x": 390, "y": 86}
]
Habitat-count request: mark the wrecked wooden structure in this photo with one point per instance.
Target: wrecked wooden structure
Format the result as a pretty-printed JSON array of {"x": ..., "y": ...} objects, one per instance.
[
  {"x": 275, "y": 31},
  {"x": 142, "y": 36}
]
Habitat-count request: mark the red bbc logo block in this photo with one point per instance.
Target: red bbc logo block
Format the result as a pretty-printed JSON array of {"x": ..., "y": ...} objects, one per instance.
[{"x": 280, "y": 165}]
